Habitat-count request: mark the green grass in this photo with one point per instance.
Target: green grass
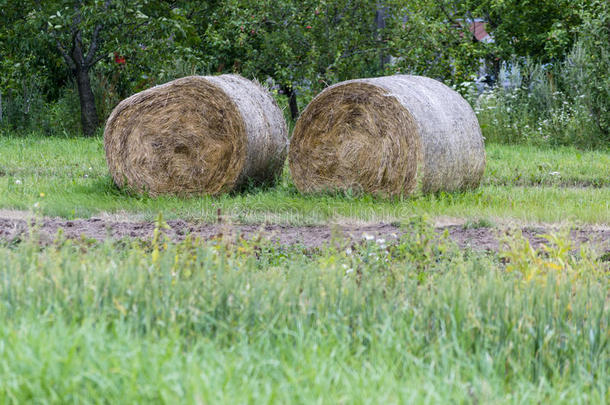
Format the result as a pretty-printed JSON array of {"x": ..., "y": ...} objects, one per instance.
[
  {"x": 522, "y": 165},
  {"x": 419, "y": 322},
  {"x": 69, "y": 178}
]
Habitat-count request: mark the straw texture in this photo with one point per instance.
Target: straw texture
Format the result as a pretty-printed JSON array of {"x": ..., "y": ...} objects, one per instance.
[
  {"x": 393, "y": 135},
  {"x": 196, "y": 135}
]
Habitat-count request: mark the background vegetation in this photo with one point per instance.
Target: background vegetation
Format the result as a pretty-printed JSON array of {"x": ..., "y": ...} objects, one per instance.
[{"x": 65, "y": 64}]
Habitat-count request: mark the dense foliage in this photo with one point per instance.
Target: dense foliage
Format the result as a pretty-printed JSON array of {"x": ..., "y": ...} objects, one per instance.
[
  {"x": 66, "y": 63},
  {"x": 561, "y": 102}
]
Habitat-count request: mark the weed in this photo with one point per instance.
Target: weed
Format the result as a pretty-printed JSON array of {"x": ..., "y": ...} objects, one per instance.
[
  {"x": 479, "y": 223},
  {"x": 240, "y": 321}
]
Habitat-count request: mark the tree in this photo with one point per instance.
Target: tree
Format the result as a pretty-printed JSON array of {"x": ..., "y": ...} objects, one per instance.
[
  {"x": 85, "y": 32},
  {"x": 587, "y": 67},
  {"x": 300, "y": 44},
  {"x": 264, "y": 39},
  {"x": 544, "y": 30},
  {"x": 24, "y": 66},
  {"x": 78, "y": 60}
]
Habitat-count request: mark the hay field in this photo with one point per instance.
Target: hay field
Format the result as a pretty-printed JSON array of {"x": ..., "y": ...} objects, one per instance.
[
  {"x": 522, "y": 183},
  {"x": 230, "y": 320}
]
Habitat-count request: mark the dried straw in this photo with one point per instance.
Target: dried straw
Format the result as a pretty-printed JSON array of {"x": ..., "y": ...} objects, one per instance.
[
  {"x": 392, "y": 135},
  {"x": 196, "y": 135}
]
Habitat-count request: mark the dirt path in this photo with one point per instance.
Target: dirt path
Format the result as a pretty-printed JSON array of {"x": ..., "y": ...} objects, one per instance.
[{"x": 16, "y": 226}]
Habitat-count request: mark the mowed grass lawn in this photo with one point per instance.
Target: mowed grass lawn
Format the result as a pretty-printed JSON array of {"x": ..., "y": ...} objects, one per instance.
[{"x": 69, "y": 178}]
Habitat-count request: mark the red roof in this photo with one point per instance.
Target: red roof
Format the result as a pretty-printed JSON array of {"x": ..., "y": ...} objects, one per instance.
[{"x": 478, "y": 29}]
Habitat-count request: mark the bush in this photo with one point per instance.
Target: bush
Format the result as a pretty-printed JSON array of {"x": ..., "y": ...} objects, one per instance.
[
  {"x": 535, "y": 110},
  {"x": 565, "y": 103},
  {"x": 28, "y": 111},
  {"x": 587, "y": 66},
  {"x": 63, "y": 115},
  {"x": 23, "y": 108}
]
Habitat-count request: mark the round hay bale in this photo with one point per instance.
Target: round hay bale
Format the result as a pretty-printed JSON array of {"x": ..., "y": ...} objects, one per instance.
[
  {"x": 196, "y": 135},
  {"x": 392, "y": 135}
]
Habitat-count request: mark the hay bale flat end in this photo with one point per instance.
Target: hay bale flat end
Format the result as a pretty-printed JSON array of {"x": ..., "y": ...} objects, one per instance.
[
  {"x": 196, "y": 135},
  {"x": 391, "y": 135}
]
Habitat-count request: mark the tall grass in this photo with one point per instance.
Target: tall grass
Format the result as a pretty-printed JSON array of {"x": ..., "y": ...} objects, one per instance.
[
  {"x": 251, "y": 322},
  {"x": 565, "y": 103}
]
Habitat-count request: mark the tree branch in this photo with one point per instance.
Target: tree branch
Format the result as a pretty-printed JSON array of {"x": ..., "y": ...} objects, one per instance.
[
  {"x": 77, "y": 49},
  {"x": 65, "y": 54},
  {"x": 492, "y": 21},
  {"x": 455, "y": 22},
  {"x": 99, "y": 58},
  {"x": 90, "y": 58},
  {"x": 94, "y": 45}
]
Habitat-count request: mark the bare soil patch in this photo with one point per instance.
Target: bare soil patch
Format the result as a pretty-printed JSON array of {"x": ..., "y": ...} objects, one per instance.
[{"x": 14, "y": 228}]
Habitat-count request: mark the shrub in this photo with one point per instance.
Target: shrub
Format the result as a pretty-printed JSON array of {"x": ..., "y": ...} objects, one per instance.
[{"x": 565, "y": 103}]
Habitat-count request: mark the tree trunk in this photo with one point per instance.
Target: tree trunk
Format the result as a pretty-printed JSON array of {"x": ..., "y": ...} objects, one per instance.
[
  {"x": 292, "y": 101},
  {"x": 0, "y": 107},
  {"x": 380, "y": 16},
  {"x": 88, "y": 112}
]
